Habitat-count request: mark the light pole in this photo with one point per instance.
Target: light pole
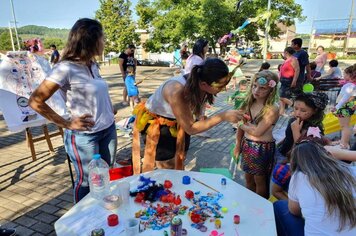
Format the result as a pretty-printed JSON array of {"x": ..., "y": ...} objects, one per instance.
[
  {"x": 15, "y": 23},
  {"x": 12, "y": 39},
  {"x": 266, "y": 32},
  {"x": 346, "y": 42}
]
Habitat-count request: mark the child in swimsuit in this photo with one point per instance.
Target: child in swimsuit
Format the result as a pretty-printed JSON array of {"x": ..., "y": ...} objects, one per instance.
[
  {"x": 345, "y": 106},
  {"x": 254, "y": 137}
]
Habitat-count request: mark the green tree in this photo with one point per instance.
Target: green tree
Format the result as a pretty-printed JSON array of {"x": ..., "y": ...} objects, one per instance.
[
  {"x": 43, "y": 31},
  {"x": 5, "y": 41},
  {"x": 119, "y": 28},
  {"x": 47, "y": 42},
  {"x": 172, "y": 21}
]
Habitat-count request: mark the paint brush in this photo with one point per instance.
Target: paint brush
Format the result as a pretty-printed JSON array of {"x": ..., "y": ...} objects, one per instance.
[{"x": 205, "y": 185}]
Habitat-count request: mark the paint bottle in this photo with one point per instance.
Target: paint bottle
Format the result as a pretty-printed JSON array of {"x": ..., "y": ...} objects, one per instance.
[{"x": 176, "y": 226}]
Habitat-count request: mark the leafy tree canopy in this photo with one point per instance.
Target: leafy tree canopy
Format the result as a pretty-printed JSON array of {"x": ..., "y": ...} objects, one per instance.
[
  {"x": 47, "y": 35},
  {"x": 5, "y": 41},
  {"x": 171, "y": 22},
  {"x": 44, "y": 31},
  {"x": 119, "y": 28},
  {"x": 47, "y": 42}
]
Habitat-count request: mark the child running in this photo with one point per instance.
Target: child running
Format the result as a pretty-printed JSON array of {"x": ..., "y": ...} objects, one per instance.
[
  {"x": 345, "y": 106},
  {"x": 131, "y": 87},
  {"x": 257, "y": 145}
]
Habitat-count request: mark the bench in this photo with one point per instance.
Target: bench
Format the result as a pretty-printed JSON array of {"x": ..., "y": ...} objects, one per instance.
[{"x": 327, "y": 84}]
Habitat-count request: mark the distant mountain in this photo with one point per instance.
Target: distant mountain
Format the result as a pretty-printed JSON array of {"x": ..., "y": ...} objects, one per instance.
[
  {"x": 47, "y": 35},
  {"x": 43, "y": 32}
]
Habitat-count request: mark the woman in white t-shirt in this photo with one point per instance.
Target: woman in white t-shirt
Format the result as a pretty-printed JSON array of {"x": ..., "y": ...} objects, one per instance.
[
  {"x": 91, "y": 128},
  {"x": 200, "y": 49},
  {"x": 322, "y": 194}
]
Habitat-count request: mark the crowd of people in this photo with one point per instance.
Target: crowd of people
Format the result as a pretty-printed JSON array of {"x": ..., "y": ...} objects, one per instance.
[{"x": 313, "y": 184}]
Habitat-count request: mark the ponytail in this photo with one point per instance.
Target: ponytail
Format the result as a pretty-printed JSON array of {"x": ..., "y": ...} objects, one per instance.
[{"x": 197, "y": 101}]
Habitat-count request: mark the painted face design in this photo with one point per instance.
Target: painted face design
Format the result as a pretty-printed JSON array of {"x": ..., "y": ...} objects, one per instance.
[{"x": 302, "y": 111}]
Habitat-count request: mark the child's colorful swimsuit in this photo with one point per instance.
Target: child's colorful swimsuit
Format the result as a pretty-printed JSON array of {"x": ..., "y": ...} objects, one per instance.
[
  {"x": 257, "y": 156},
  {"x": 347, "y": 110},
  {"x": 345, "y": 102}
]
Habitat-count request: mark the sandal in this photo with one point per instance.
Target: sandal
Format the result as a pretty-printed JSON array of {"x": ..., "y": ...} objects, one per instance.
[
  {"x": 342, "y": 146},
  {"x": 335, "y": 143}
]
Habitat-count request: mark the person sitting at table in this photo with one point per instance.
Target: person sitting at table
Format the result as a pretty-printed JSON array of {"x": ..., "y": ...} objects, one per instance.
[
  {"x": 91, "y": 128},
  {"x": 169, "y": 116},
  {"x": 321, "y": 194},
  {"x": 281, "y": 173}
]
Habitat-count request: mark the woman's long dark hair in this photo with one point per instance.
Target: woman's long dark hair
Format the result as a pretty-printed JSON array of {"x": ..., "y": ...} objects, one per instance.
[
  {"x": 83, "y": 41},
  {"x": 212, "y": 70},
  {"x": 198, "y": 48},
  {"x": 330, "y": 177}
]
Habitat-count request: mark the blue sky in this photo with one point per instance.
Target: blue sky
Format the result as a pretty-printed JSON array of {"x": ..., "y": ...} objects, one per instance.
[{"x": 63, "y": 13}]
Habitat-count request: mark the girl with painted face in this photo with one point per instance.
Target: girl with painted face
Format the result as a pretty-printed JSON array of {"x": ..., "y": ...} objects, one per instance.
[
  {"x": 258, "y": 145},
  {"x": 308, "y": 112}
]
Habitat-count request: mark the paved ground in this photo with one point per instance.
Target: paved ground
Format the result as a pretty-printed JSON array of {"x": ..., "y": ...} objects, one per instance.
[{"x": 33, "y": 195}]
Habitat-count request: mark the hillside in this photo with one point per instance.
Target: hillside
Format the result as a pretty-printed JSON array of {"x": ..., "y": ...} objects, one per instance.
[
  {"x": 43, "y": 32},
  {"x": 47, "y": 35}
]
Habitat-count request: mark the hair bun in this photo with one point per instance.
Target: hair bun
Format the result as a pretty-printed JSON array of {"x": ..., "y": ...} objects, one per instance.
[{"x": 319, "y": 99}]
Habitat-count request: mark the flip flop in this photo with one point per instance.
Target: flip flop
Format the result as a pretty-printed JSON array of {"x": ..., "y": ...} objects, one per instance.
[{"x": 342, "y": 146}]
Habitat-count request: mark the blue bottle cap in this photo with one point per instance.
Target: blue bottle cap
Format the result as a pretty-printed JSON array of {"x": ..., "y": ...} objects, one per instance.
[
  {"x": 96, "y": 156},
  {"x": 186, "y": 180}
]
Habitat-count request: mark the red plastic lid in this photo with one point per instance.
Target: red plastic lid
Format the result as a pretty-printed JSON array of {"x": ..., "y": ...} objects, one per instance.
[{"x": 113, "y": 220}]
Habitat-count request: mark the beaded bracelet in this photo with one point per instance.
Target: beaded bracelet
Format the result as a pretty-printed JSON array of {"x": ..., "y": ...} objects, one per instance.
[{"x": 240, "y": 123}]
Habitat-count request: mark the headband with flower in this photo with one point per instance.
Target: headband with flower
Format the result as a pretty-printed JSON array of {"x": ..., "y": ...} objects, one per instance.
[{"x": 264, "y": 81}]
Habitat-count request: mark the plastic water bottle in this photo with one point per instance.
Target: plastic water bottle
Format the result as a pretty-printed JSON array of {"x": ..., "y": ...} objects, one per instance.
[{"x": 99, "y": 181}]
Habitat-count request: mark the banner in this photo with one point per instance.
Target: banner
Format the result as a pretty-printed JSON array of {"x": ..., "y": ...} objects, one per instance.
[{"x": 20, "y": 74}]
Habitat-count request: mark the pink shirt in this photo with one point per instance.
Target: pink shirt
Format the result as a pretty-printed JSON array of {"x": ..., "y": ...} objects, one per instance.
[
  {"x": 287, "y": 70},
  {"x": 233, "y": 60}
]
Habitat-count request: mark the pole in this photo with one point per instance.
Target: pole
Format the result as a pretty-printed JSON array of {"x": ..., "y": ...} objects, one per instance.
[
  {"x": 311, "y": 38},
  {"x": 15, "y": 23},
  {"x": 266, "y": 33},
  {"x": 12, "y": 39},
  {"x": 346, "y": 42}
]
